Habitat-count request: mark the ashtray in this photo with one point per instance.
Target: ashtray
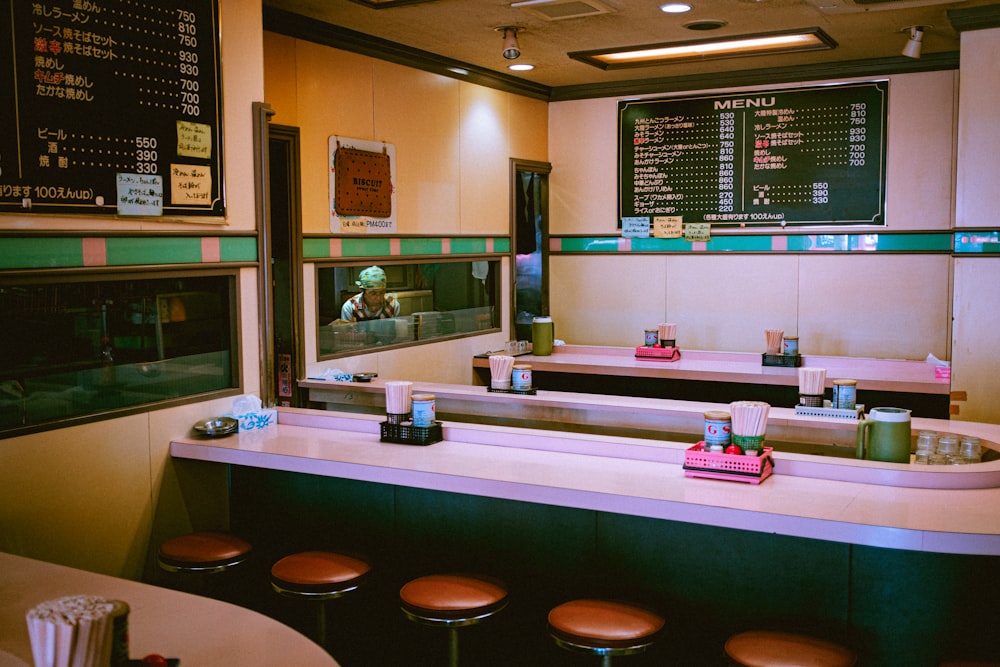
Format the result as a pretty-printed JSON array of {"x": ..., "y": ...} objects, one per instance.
[
  {"x": 364, "y": 377},
  {"x": 217, "y": 427}
]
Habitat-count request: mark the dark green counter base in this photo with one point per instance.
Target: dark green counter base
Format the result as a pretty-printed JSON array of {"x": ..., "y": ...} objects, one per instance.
[{"x": 895, "y": 607}]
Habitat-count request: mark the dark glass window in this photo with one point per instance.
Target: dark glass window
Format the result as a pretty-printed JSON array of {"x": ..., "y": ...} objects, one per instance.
[
  {"x": 76, "y": 347},
  {"x": 432, "y": 300}
]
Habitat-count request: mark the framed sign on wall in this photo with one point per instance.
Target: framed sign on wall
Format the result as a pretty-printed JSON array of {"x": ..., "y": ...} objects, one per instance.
[
  {"x": 113, "y": 108},
  {"x": 804, "y": 156}
]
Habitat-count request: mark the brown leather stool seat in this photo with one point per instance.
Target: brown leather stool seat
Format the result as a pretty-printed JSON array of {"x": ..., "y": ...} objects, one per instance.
[
  {"x": 758, "y": 648},
  {"x": 320, "y": 576},
  {"x": 452, "y": 601},
  {"x": 203, "y": 551},
  {"x": 604, "y": 627}
]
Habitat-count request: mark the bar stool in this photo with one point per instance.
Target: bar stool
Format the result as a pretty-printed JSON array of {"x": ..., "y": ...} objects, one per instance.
[
  {"x": 604, "y": 627},
  {"x": 757, "y": 648},
  {"x": 452, "y": 601},
  {"x": 202, "y": 553},
  {"x": 319, "y": 576}
]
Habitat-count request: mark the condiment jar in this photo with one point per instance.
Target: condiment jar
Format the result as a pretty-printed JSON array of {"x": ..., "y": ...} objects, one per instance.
[
  {"x": 521, "y": 377},
  {"x": 718, "y": 428},
  {"x": 845, "y": 393},
  {"x": 423, "y": 410}
]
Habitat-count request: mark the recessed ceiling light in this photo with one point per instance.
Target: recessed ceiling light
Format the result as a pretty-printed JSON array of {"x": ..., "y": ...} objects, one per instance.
[
  {"x": 789, "y": 41},
  {"x": 675, "y": 7},
  {"x": 710, "y": 24},
  {"x": 521, "y": 67}
]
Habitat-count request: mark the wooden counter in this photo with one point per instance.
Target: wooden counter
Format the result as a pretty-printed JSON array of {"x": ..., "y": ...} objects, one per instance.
[
  {"x": 727, "y": 376},
  {"x": 638, "y": 477}
]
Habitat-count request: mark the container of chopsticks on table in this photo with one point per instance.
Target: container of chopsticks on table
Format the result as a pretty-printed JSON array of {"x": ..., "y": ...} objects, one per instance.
[
  {"x": 774, "y": 338},
  {"x": 812, "y": 383},
  {"x": 397, "y": 401},
  {"x": 501, "y": 367},
  {"x": 749, "y": 424},
  {"x": 668, "y": 335}
]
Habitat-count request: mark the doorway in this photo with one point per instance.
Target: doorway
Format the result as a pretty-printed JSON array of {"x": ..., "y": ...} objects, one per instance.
[{"x": 529, "y": 186}]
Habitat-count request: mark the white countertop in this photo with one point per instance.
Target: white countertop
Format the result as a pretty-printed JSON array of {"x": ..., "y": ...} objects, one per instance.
[
  {"x": 623, "y": 475},
  {"x": 198, "y": 630}
]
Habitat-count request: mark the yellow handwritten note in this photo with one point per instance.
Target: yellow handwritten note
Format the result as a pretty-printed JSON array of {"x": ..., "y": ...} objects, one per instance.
[
  {"x": 190, "y": 184},
  {"x": 194, "y": 139},
  {"x": 668, "y": 226},
  {"x": 698, "y": 231}
]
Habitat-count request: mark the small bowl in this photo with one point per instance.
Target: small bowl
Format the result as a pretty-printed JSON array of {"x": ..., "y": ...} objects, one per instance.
[
  {"x": 365, "y": 377},
  {"x": 217, "y": 427}
]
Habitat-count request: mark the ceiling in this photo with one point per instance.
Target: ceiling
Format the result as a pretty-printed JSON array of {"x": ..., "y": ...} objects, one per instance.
[{"x": 464, "y": 31}]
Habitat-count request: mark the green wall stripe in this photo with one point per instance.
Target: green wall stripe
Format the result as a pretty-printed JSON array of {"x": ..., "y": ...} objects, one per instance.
[
  {"x": 501, "y": 244},
  {"x": 366, "y": 247},
  {"x": 315, "y": 248},
  {"x": 940, "y": 242},
  {"x": 468, "y": 245},
  {"x": 130, "y": 250},
  {"x": 238, "y": 249},
  {"x": 40, "y": 253},
  {"x": 977, "y": 242},
  {"x": 421, "y": 246}
]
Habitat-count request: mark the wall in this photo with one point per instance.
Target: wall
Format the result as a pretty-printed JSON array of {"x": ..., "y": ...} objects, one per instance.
[
  {"x": 724, "y": 301},
  {"x": 453, "y": 145},
  {"x": 95, "y": 496}
]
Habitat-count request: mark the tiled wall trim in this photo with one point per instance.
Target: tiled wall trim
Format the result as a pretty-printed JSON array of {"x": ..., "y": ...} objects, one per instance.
[
  {"x": 936, "y": 242},
  {"x": 52, "y": 252}
]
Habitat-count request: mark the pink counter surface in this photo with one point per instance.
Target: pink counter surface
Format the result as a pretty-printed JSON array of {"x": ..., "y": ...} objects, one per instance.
[
  {"x": 624, "y": 475},
  {"x": 740, "y": 367}
]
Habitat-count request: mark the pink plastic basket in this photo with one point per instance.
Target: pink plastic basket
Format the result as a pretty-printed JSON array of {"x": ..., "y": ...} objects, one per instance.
[
  {"x": 658, "y": 353},
  {"x": 734, "y": 467}
]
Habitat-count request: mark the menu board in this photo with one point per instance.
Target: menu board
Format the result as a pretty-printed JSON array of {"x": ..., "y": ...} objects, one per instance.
[
  {"x": 111, "y": 107},
  {"x": 764, "y": 158}
]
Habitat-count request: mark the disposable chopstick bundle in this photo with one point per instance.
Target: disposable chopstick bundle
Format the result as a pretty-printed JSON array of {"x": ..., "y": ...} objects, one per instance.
[
  {"x": 811, "y": 381},
  {"x": 397, "y": 397},
  {"x": 668, "y": 331},
  {"x": 501, "y": 366},
  {"x": 749, "y": 417},
  {"x": 72, "y": 631},
  {"x": 773, "y": 337}
]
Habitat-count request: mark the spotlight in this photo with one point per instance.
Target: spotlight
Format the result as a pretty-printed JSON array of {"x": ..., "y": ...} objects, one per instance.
[
  {"x": 915, "y": 42},
  {"x": 511, "y": 51}
]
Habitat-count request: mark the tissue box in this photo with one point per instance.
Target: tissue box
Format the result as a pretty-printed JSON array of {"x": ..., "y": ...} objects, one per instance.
[{"x": 257, "y": 420}]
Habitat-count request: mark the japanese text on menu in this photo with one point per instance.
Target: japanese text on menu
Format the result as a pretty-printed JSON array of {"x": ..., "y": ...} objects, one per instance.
[
  {"x": 114, "y": 107},
  {"x": 803, "y": 156}
]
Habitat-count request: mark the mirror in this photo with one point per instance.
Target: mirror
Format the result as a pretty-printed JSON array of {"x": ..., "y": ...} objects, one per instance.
[{"x": 421, "y": 301}]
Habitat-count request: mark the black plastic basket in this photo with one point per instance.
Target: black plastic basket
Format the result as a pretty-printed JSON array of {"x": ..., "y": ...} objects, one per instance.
[
  {"x": 792, "y": 360},
  {"x": 531, "y": 391},
  {"x": 408, "y": 434}
]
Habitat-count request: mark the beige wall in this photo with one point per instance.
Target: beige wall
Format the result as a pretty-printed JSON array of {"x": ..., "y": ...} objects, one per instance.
[
  {"x": 725, "y": 301},
  {"x": 95, "y": 496}
]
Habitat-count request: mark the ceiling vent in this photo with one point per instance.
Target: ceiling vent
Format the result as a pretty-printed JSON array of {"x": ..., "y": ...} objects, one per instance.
[
  {"x": 558, "y": 10},
  {"x": 856, "y": 6}
]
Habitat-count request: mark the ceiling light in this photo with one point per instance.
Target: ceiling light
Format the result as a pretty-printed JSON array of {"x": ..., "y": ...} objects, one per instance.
[
  {"x": 511, "y": 51},
  {"x": 791, "y": 41},
  {"x": 675, "y": 7},
  {"x": 521, "y": 67},
  {"x": 915, "y": 43}
]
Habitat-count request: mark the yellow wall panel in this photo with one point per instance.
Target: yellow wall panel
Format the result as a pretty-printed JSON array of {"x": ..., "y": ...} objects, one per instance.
[
  {"x": 420, "y": 113},
  {"x": 334, "y": 98},
  {"x": 485, "y": 159},
  {"x": 529, "y": 136},
  {"x": 977, "y": 319},
  {"x": 280, "y": 90}
]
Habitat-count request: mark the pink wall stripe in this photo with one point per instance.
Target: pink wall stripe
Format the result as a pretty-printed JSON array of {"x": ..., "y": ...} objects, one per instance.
[
  {"x": 394, "y": 246},
  {"x": 555, "y": 245},
  {"x": 335, "y": 248},
  {"x": 446, "y": 246},
  {"x": 211, "y": 249},
  {"x": 489, "y": 244},
  {"x": 779, "y": 243},
  {"x": 699, "y": 246},
  {"x": 95, "y": 252},
  {"x": 624, "y": 245}
]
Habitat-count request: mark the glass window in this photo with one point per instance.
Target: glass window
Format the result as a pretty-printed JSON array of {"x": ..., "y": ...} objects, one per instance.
[
  {"x": 88, "y": 345},
  {"x": 376, "y": 305}
]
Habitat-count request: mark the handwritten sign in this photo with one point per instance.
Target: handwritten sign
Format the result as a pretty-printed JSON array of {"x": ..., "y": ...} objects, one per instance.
[
  {"x": 140, "y": 194},
  {"x": 668, "y": 226},
  {"x": 635, "y": 227},
  {"x": 194, "y": 139},
  {"x": 698, "y": 231},
  {"x": 190, "y": 184}
]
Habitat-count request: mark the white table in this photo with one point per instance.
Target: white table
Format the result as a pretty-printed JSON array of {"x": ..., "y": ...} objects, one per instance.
[{"x": 200, "y": 631}]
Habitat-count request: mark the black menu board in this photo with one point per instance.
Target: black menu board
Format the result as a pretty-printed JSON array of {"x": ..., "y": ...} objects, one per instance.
[
  {"x": 111, "y": 107},
  {"x": 762, "y": 158}
]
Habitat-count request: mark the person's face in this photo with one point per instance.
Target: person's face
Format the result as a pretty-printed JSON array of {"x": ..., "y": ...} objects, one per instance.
[{"x": 373, "y": 297}]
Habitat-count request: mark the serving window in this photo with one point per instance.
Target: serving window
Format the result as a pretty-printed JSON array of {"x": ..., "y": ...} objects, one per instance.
[
  {"x": 96, "y": 346},
  {"x": 434, "y": 301}
]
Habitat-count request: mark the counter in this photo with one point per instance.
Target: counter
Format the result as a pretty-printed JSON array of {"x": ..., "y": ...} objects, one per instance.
[
  {"x": 636, "y": 477},
  {"x": 198, "y": 630},
  {"x": 728, "y": 376}
]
